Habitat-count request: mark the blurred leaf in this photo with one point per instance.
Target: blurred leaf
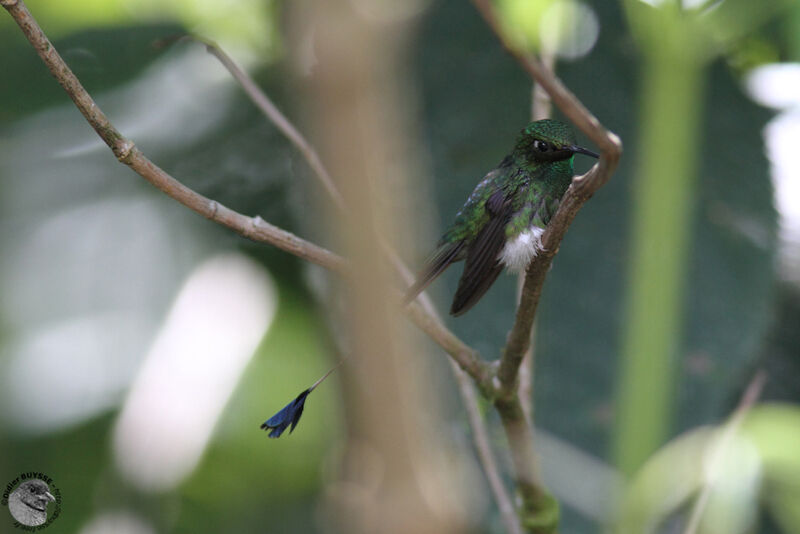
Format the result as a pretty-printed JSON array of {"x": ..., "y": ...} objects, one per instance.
[
  {"x": 732, "y": 20},
  {"x": 563, "y": 28},
  {"x": 726, "y": 466},
  {"x": 665, "y": 482},
  {"x": 791, "y": 26},
  {"x": 751, "y": 53},
  {"x": 102, "y": 59},
  {"x": 521, "y": 21},
  {"x": 785, "y": 507},
  {"x": 732, "y": 472},
  {"x": 245, "y": 24},
  {"x": 775, "y": 431}
]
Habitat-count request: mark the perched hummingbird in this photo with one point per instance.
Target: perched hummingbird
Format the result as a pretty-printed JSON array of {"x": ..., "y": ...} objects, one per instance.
[{"x": 504, "y": 218}]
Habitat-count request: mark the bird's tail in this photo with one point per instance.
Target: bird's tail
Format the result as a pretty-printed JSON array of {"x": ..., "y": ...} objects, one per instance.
[{"x": 435, "y": 266}]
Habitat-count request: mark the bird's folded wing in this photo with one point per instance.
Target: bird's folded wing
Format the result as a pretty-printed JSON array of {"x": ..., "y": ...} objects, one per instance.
[{"x": 482, "y": 264}]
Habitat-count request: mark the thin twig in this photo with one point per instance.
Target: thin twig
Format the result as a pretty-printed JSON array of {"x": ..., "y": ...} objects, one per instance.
[
  {"x": 481, "y": 439},
  {"x": 271, "y": 112},
  {"x": 749, "y": 398}
]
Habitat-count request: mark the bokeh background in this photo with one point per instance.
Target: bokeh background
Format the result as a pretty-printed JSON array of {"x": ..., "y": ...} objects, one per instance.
[{"x": 141, "y": 345}]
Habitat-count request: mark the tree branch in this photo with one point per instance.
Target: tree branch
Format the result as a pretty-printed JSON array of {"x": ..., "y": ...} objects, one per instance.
[
  {"x": 254, "y": 228},
  {"x": 538, "y": 510},
  {"x": 126, "y": 152}
]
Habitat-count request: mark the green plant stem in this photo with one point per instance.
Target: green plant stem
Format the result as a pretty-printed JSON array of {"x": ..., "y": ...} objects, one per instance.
[{"x": 662, "y": 218}]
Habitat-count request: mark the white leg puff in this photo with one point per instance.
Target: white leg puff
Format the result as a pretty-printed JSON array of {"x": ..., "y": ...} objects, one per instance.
[{"x": 519, "y": 251}]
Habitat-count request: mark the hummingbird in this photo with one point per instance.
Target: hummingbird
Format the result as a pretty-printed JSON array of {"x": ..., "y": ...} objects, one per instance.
[{"x": 502, "y": 222}]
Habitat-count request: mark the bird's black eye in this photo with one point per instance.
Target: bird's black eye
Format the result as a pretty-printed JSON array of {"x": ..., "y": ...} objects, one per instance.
[
  {"x": 542, "y": 146},
  {"x": 32, "y": 489}
]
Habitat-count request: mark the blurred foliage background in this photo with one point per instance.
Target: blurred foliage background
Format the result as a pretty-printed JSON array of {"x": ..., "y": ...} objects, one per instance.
[{"x": 675, "y": 283}]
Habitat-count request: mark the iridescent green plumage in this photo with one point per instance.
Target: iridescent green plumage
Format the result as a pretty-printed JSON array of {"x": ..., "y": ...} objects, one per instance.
[{"x": 503, "y": 219}]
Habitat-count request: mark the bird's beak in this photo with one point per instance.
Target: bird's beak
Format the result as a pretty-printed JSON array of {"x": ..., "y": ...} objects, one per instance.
[
  {"x": 580, "y": 150},
  {"x": 49, "y": 496}
]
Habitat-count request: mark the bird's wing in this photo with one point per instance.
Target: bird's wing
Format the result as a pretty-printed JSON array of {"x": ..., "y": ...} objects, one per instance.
[
  {"x": 441, "y": 260},
  {"x": 483, "y": 266}
]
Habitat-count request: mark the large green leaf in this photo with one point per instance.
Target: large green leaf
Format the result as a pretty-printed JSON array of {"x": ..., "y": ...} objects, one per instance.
[{"x": 730, "y": 274}]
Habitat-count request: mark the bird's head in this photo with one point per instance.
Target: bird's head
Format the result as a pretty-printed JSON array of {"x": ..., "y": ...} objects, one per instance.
[
  {"x": 34, "y": 494},
  {"x": 548, "y": 140}
]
